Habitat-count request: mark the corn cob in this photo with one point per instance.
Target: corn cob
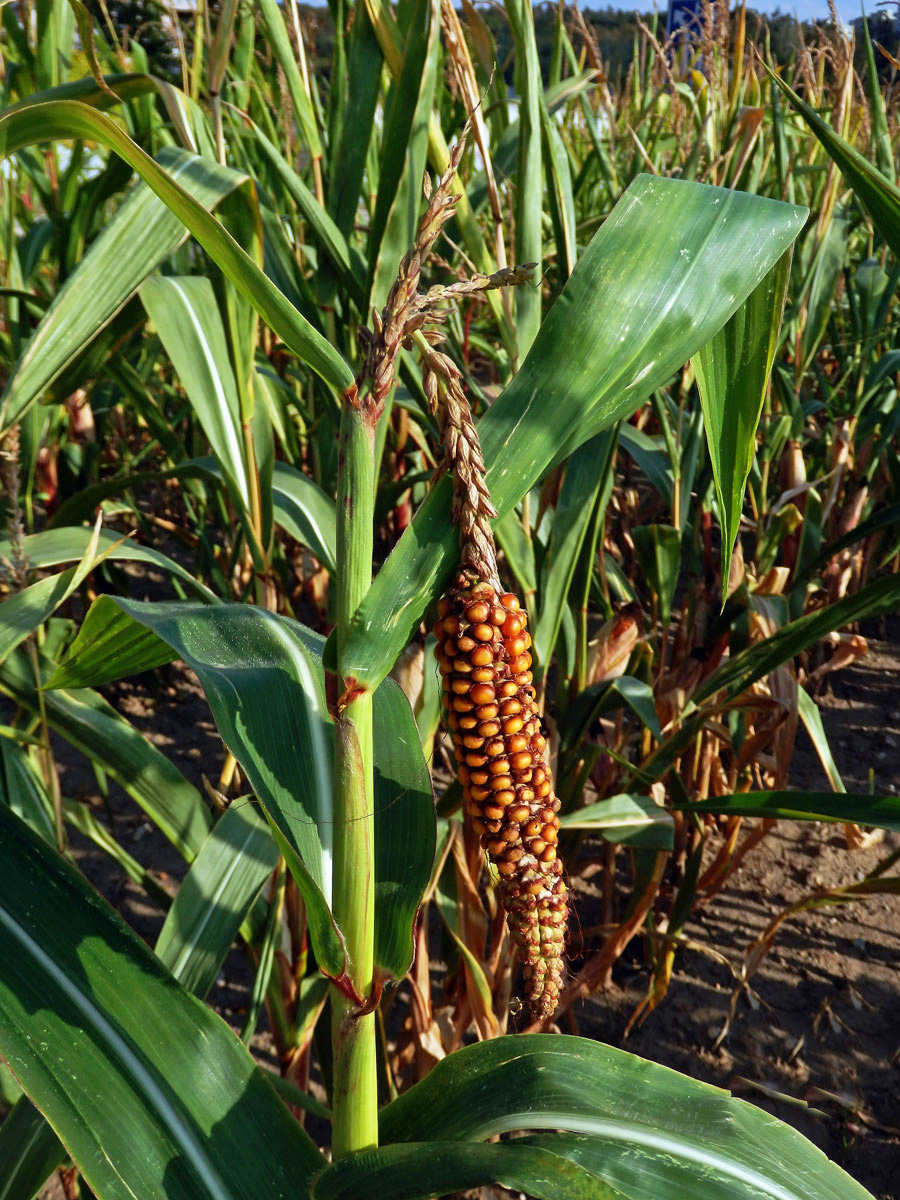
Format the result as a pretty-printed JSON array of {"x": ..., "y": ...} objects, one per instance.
[
  {"x": 489, "y": 709},
  {"x": 488, "y": 696}
]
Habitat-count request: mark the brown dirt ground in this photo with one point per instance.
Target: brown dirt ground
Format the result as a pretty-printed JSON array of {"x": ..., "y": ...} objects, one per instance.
[{"x": 817, "y": 1042}]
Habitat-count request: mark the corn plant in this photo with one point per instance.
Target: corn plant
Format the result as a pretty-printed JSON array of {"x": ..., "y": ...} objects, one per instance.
[{"x": 124, "y": 1070}]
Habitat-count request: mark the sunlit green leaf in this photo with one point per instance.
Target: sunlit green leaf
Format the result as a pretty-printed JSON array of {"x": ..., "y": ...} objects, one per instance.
[
  {"x": 650, "y": 1128},
  {"x": 655, "y": 284},
  {"x": 69, "y": 119}
]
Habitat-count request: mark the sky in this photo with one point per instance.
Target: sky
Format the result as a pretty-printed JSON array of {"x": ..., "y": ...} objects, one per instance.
[
  {"x": 811, "y": 10},
  {"x": 806, "y": 10}
]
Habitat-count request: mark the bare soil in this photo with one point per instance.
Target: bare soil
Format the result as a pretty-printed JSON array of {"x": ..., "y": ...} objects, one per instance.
[{"x": 816, "y": 1038}]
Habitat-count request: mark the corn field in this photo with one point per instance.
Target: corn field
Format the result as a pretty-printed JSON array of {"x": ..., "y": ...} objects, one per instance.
[{"x": 506, "y": 445}]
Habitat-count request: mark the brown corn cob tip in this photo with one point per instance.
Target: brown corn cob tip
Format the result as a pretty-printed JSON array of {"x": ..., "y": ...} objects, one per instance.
[{"x": 501, "y": 756}]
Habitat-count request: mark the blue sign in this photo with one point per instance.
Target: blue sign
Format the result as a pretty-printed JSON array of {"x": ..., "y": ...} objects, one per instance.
[{"x": 684, "y": 15}]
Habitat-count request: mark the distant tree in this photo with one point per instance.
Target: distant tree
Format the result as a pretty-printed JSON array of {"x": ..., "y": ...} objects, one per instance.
[
  {"x": 884, "y": 28},
  {"x": 145, "y": 21}
]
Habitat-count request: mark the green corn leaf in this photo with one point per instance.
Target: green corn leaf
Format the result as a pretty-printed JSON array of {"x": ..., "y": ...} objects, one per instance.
[
  {"x": 353, "y": 122},
  {"x": 559, "y": 192},
  {"x": 300, "y": 97},
  {"x": 585, "y": 477},
  {"x": 827, "y": 271},
  {"x": 404, "y": 828},
  {"x": 53, "y": 547},
  {"x": 22, "y": 612},
  {"x": 345, "y": 260},
  {"x": 732, "y": 374},
  {"x": 79, "y": 816},
  {"x": 149, "y": 1090},
  {"x": 93, "y": 727},
  {"x": 884, "y": 155},
  {"x": 739, "y": 672},
  {"x": 887, "y": 518},
  {"x": 650, "y": 1129},
  {"x": 812, "y": 721},
  {"x": 184, "y": 311},
  {"x": 29, "y": 1152},
  {"x": 882, "y": 812},
  {"x": 650, "y": 455},
  {"x": 446, "y": 896},
  {"x": 304, "y": 511},
  {"x": 519, "y": 551},
  {"x": 125, "y": 86},
  {"x": 263, "y": 678},
  {"x": 880, "y": 195},
  {"x": 529, "y": 175},
  {"x": 142, "y": 233},
  {"x": 404, "y": 150},
  {"x": 69, "y": 119},
  {"x": 656, "y": 283},
  {"x": 267, "y": 695},
  {"x": 422, "y": 1169},
  {"x": 23, "y": 792},
  {"x": 215, "y": 896},
  {"x": 634, "y": 820},
  {"x": 638, "y": 1174},
  {"x": 110, "y": 645},
  {"x": 657, "y": 549},
  {"x": 300, "y": 507}
]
